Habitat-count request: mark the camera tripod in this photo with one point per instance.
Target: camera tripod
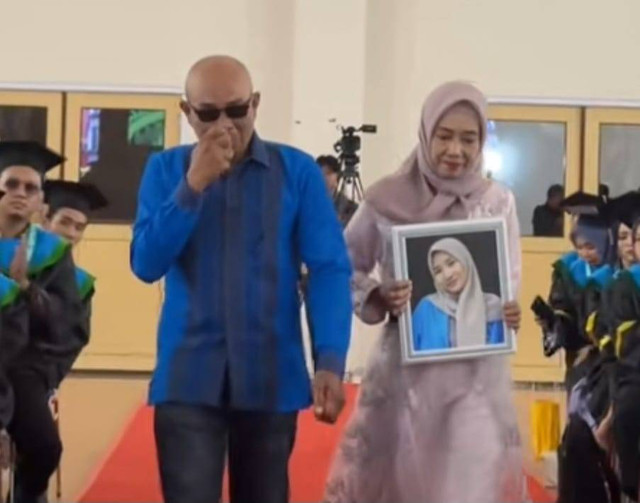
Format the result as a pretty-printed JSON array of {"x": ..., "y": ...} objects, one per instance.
[
  {"x": 347, "y": 147},
  {"x": 349, "y": 185}
]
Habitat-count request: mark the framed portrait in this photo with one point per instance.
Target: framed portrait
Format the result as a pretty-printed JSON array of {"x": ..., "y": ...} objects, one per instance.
[{"x": 460, "y": 276}]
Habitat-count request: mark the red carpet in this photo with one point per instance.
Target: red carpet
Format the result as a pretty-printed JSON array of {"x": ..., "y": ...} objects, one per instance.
[{"x": 130, "y": 472}]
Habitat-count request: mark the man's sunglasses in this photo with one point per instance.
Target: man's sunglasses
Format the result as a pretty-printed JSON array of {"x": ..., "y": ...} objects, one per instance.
[{"x": 232, "y": 111}]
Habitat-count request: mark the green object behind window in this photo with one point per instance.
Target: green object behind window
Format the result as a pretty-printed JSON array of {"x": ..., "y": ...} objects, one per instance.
[{"x": 146, "y": 128}]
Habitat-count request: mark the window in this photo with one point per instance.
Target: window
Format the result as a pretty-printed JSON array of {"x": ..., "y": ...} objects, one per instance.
[
  {"x": 531, "y": 150},
  {"x": 612, "y": 150}
]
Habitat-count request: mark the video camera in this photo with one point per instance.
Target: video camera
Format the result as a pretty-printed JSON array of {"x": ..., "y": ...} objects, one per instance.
[{"x": 348, "y": 145}]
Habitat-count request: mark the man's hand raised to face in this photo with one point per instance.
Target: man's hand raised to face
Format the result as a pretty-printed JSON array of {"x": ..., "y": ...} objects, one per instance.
[{"x": 211, "y": 158}]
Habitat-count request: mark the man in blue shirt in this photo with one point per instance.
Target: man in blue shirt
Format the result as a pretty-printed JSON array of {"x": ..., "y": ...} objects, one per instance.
[{"x": 227, "y": 224}]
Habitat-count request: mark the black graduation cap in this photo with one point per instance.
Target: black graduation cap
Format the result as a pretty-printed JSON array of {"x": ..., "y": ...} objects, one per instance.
[
  {"x": 580, "y": 203},
  {"x": 626, "y": 208},
  {"x": 28, "y": 153},
  {"x": 592, "y": 210},
  {"x": 83, "y": 197}
]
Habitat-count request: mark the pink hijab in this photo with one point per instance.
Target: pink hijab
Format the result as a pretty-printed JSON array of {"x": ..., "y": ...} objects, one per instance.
[{"x": 415, "y": 193}]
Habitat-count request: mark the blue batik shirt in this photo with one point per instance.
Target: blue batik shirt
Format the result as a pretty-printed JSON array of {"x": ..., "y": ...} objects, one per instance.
[{"x": 229, "y": 332}]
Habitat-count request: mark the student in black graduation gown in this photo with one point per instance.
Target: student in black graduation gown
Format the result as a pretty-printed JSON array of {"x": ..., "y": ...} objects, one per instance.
[
  {"x": 574, "y": 294},
  {"x": 69, "y": 206},
  {"x": 624, "y": 211},
  {"x": 625, "y": 321},
  {"x": 598, "y": 300},
  {"x": 586, "y": 462},
  {"x": 578, "y": 281},
  {"x": 13, "y": 339},
  {"x": 41, "y": 263},
  {"x": 626, "y": 393}
]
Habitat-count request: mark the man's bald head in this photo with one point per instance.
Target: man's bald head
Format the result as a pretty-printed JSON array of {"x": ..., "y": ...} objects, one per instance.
[
  {"x": 216, "y": 78},
  {"x": 222, "y": 84}
]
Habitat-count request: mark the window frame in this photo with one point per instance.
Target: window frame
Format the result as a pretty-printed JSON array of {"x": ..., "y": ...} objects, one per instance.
[
  {"x": 76, "y": 102},
  {"x": 53, "y": 102},
  {"x": 571, "y": 117},
  {"x": 594, "y": 119}
]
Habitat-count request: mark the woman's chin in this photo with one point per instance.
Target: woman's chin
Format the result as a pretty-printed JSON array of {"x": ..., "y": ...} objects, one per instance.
[{"x": 450, "y": 173}]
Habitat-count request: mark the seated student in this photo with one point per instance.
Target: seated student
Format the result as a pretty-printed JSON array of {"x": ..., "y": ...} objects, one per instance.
[
  {"x": 625, "y": 318},
  {"x": 600, "y": 327},
  {"x": 600, "y": 324},
  {"x": 570, "y": 296},
  {"x": 626, "y": 389},
  {"x": 42, "y": 265},
  {"x": 583, "y": 474},
  {"x": 68, "y": 208},
  {"x": 450, "y": 317},
  {"x": 13, "y": 339}
]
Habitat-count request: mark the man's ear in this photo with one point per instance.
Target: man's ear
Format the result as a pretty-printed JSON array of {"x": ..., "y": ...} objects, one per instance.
[{"x": 256, "y": 100}]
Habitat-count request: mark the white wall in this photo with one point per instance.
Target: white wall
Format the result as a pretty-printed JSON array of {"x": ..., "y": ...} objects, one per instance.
[
  {"x": 329, "y": 70},
  {"x": 119, "y": 42}
]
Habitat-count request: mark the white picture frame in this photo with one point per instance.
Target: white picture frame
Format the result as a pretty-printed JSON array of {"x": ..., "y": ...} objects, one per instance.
[{"x": 433, "y": 306}]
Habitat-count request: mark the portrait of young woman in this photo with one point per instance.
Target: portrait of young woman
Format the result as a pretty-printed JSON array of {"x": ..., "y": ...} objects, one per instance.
[{"x": 460, "y": 284}]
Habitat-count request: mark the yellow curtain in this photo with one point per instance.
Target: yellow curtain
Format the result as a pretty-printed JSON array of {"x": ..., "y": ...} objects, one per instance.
[{"x": 545, "y": 427}]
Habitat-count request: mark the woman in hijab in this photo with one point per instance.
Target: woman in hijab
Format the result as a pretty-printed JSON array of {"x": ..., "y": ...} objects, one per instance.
[
  {"x": 594, "y": 240},
  {"x": 585, "y": 471},
  {"x": 603, "y": 280},
  {"x": 443, "y": 431},
  {"x": 450, "y": 317},
  {"x": 626, "y": 254},
  {"x": 600, "y": 329},
  {"x": 586, "y": 466},
  {"x": 574, "y": 294},
  {"x": 625, "y": 318}
]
